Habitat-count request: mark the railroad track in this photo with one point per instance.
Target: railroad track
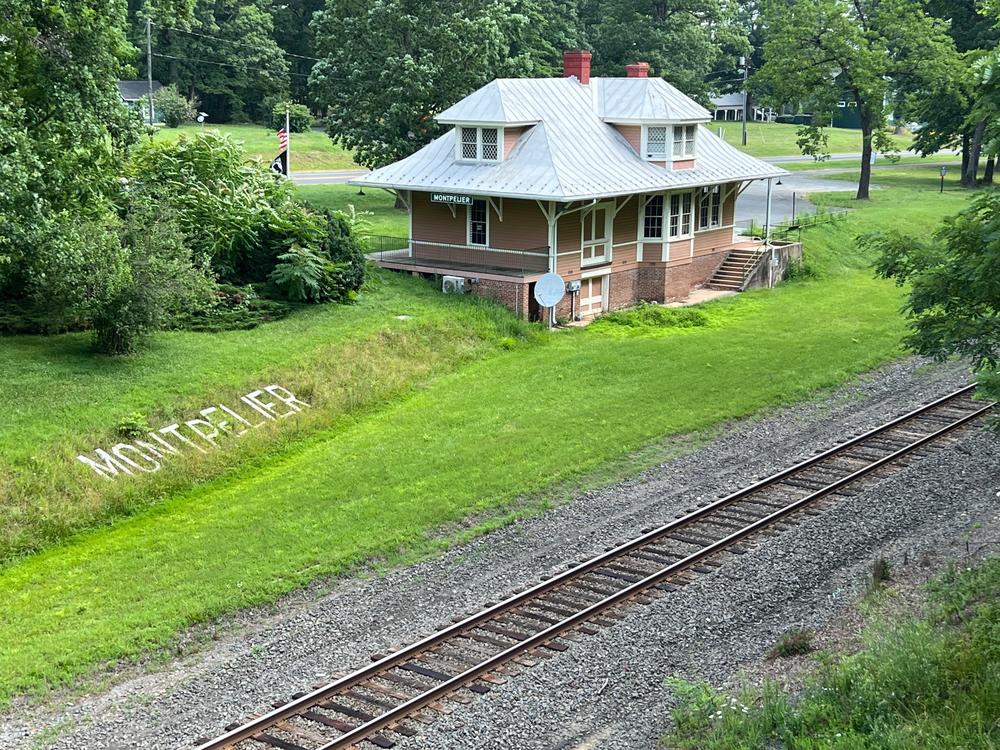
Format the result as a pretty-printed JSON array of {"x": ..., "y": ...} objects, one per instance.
[{"x": 393, "y": 696}]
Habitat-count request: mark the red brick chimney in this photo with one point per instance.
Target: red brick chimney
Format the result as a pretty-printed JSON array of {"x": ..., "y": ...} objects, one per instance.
[
  {"x": 576, "y": 62},
  {"x": 637, "y": 70}
]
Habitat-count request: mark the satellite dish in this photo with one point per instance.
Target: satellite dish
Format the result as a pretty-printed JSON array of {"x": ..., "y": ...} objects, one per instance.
[{"x": 549, "y": 289}]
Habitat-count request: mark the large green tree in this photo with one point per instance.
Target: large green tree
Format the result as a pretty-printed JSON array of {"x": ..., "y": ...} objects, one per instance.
[
  {"x": 954, "y": 286},
  {"x": 683, "y": 40},
  {"x": 388, "y": 66},
  {"x": 820, "y": 51},
  {"x": 221, "y": 52},
  {"x": 63, "y": 128}
]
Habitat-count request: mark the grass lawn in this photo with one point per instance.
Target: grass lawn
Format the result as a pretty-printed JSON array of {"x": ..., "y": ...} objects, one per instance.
[
  {"x": 312, "y": 151},
  {"x": 379, "y": 479},
  {"x": 778, "y": 139},
  {"x": 950, "y": 160},
  {"x": 387, "y": 219}
]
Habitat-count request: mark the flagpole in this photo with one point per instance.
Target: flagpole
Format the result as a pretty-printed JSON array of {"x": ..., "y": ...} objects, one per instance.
[{"x": 288, "y": 148}]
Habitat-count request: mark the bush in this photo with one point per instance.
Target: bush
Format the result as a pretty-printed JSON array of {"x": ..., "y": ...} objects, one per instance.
[
  {"x": 173, "y": 107},
  {"x": 300, "y": 119},
  {"x": 342, "y": 247},
  {"x": 649, "y": 316},
  {"x": 795, "y": 642}
]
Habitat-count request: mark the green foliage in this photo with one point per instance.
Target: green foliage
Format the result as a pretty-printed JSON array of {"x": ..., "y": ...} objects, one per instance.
[
  {"x": 953, "y": 278},
  {"x": 232, "y": 308},
  {"x": 342, "y": 247},
  {"x": 231, "y": 61},
  {"x": 819, "y": 51},
  {"x": 918, "y": 684},
  {"x": 648, "y": 317},
  {"x": 174, "y": 108},
  {"x": 624, "y": 31},
  {"x": 794, "y": 642},
  {"x": 300, "y": 119},
  {"x": 132, "y": 425},
  {"x": 63, "y": 128},
  {"x": 302, "y": 275},
  {"x": 388, "y": 68}
]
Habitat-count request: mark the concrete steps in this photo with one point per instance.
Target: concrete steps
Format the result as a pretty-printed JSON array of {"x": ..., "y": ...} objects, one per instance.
[{"x": 738, "y": 265}]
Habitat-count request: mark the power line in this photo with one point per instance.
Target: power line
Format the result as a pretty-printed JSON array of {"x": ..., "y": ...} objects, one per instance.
[
  {"x": 233, "y": 41},
  {"x": 228, "y": 65}
]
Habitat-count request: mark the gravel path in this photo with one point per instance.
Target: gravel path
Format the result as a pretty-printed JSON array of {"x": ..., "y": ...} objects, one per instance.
[{"x": 711, "y": 629}]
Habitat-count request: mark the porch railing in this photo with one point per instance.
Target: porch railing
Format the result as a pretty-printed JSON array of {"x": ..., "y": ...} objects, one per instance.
[{"x": 447, "y": 255}]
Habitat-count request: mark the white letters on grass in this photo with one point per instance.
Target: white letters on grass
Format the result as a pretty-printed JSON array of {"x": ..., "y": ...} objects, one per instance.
[{"x": 202, "y": 433}]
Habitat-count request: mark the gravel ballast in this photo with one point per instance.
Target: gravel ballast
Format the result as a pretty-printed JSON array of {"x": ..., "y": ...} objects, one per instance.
[{"x": 608, "y": 690}]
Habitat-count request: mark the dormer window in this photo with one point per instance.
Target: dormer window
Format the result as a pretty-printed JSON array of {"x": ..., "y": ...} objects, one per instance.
[
  {"x": 684, "y": 141},
  {"x": 656, "y": 143},
  {"x": 479, "y": 144}
]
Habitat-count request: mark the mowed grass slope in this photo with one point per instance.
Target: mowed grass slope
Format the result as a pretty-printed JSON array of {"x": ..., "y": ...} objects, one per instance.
[
  {"x": 380, "y": 483},
  {"x": 312, "y": 151},
  {"x": 779, "y": 139}
]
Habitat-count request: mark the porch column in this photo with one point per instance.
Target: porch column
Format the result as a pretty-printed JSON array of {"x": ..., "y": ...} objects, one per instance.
[{"x": 767, "y": 235}]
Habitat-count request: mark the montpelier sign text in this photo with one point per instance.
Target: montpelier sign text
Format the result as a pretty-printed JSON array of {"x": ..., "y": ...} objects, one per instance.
[{"x": 255, "y": 409}]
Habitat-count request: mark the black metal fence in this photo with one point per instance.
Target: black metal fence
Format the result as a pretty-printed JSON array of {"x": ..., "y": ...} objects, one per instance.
[{"x": 402, "y": 251}]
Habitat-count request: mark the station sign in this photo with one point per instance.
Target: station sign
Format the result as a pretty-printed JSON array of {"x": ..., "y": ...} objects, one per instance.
[{"x": 455, "y": 200}]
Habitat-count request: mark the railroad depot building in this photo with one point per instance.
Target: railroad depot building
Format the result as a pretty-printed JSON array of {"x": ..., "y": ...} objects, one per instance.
[{"x": 613, "y": 183}]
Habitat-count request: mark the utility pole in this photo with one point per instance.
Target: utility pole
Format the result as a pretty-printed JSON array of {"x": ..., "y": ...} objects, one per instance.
[
  {"x": 288, "y": 148},
  {"x": 746, "y": 69},
  {"x": 149, "y": 67}
]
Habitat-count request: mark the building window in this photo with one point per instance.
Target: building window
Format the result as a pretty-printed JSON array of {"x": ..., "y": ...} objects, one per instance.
[
  {"x": 656, "y": 143},
  {"x": 479, "y": 223},
  {"x": 684, "y": 141},
  {"x": 680, "y": 215},
  {"x": 710, "y": 210},
  {"x": 479, "y": 144},
  {"x": 652, "y": 221},
  {"x": 595, "y": 247}
]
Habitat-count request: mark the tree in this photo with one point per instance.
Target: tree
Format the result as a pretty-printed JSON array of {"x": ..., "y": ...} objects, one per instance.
[
  {"x": 953, "y": 303},
  {"x": 388, "y": 67},
  {"x": 174, "y": 108},
  {"x": 220, "y": 51},
  {"x": 683, "y": 41},
  {"x": 63, "y": 127},
  {"x": 821, "y": 51}
]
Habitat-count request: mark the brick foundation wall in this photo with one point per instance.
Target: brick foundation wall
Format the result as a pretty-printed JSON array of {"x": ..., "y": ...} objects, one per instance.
[
  {"x": 652, "y": 283},
  {"x": 624, "y": 290},
  {"x": 512, "y": 295}
]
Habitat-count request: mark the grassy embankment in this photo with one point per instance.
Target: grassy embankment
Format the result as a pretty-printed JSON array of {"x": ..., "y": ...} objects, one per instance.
[
  {"x": 312, "y": 151},
  {"x": 922, "y": 683},
  {"x": 454, "y": 435},
  {"x": 779, "y": 139}
]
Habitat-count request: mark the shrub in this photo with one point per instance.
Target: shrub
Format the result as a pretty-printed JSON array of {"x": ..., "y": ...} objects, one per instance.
[
  {"x": 649, "y": 316},
  {"x": 342, "y": 247},
  {"x": 173, "y": 107},
  {"x": 300, "y": 119},
  {"x": 794, "y": 642}
]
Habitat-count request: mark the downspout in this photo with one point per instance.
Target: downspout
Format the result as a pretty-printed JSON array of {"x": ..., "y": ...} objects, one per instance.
[{"x": 552, "y": 219}]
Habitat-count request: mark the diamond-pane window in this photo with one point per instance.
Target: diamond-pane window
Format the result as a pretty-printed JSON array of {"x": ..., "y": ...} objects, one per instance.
[
  {"x": 469, "y": 143},
  {"x": 490, "y": 145},
  {"x": 656, "y": 142}
]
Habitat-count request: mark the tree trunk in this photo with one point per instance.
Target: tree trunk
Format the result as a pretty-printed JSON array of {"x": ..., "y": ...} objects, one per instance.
[
  {"x": 988, "y": 174},
  {"x": 864, "y": 181},
  {"x": 399, "y": 202},
  {"x": 965, "y": 152},
  {"x": 975, "y": 152}
]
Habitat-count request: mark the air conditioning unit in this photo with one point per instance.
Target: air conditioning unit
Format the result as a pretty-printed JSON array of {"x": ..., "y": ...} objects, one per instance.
[{"x": 453, "y": 285}]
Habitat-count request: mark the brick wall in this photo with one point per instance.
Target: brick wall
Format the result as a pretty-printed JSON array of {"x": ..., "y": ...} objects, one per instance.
[
  {"x": 624, "y": 290},
  {"x": 512, "y": 295}
]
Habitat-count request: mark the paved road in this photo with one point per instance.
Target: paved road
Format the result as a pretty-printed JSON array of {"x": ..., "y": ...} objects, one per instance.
[{"x": 335, "y": 177}]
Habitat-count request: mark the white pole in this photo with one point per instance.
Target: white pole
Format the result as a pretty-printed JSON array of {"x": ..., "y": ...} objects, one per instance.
[
  {"x": 767, "y": 234},
  {"x": 288, "y": 147}
]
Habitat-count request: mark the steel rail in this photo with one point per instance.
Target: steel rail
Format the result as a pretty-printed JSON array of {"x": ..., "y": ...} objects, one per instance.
[
  {"x": 296, "y": 706},
  {"x": 539, "y": 639}
]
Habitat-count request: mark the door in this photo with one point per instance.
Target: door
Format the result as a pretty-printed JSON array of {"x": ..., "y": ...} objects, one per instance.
[{"x": 592, "y": 293}]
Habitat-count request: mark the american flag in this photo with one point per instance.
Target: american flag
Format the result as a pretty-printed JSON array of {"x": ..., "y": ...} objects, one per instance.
[{"x": 283, "y": 139}]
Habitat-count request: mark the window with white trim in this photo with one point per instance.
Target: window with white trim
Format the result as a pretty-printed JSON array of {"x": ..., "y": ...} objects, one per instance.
[
  {"x": 479, "y": 223},
  {"x": 680, "y": 215},
  {"x": 652, "y": 220},
  {"x": 479, "y": 144},
  {"x": 595, "y": 246},
  {"x": 684, "y": 141},
  {"x": 710, "y": 209},
  {"x": 656, "y": 142}
]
